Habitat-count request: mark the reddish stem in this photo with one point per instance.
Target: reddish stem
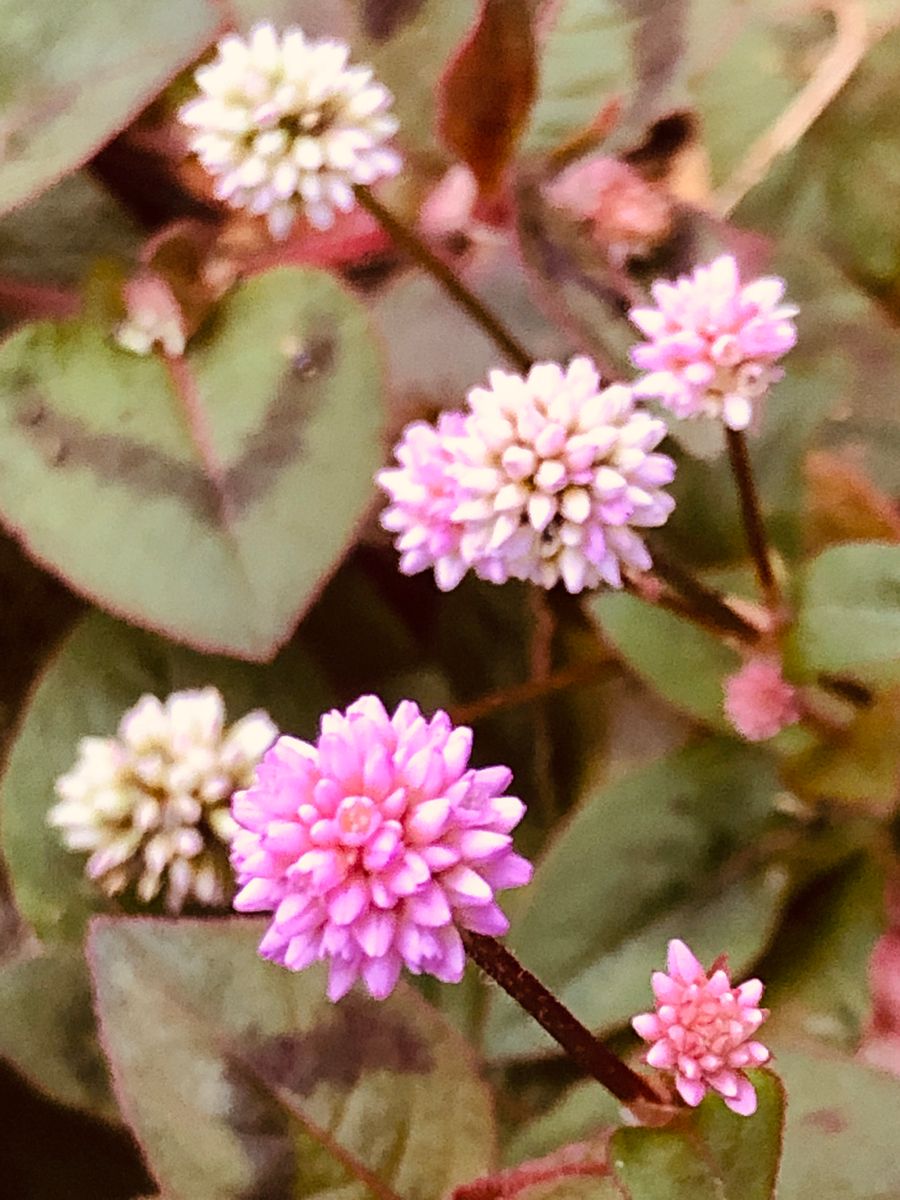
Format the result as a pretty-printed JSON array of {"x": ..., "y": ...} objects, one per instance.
[{"x": 632, "y": 1089}]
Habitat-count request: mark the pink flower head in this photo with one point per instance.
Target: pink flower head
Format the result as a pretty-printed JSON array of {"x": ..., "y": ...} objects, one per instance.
[
  {"x": 703, "y": 1030},
  {"x": 558, "y": 476},
  {"x": 713, "y": 342},
  {"x": 759, "y": 702},
  {"x": 424, "y": 498},
  {"x": 374, "y": 846}
]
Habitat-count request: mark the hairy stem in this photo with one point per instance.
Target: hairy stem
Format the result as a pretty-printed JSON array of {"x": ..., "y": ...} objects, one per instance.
[
  {"x": 705, "y": 606},
  {"x": 752, "y": 517},
  {"x": 576, "y": 1039},
  {"x": 410, "y": 241}
]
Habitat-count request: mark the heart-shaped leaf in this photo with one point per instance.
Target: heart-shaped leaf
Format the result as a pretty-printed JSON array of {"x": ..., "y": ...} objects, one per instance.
[
  {"x": 101, "y": 671},
  {"x": 241, "y": 1080},
  {"x": 643, "y": 860},
  {"x": 208, "y": 496},
  {"x": 69, "y": 85}
]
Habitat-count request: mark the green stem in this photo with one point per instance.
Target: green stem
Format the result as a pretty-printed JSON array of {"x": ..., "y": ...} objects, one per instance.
[{"x": 410, "y": 241}]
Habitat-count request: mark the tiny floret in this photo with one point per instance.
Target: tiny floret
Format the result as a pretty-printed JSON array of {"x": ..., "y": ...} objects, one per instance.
[
  {"x": 286, "y": 123},
  {"x": 548, "y": 477},
  {"x": 151, "y": 805},
  {"x": 375, "y": 845},
  {"x": 759, "y": 701},
  {"x": 712, "y": 342},
  {"x": 703, "y": 1030}
]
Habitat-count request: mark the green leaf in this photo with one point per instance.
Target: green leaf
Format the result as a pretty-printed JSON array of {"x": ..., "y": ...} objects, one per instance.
[
  {"x": 237, "y": 474},
  {"x": 737, "y": 64},
  {"x": 594, "y": 50},
  {"x": 686, "y": 665},
  {"x": 843, "y": 1129},
  {"x": 859, "y": 765},
  {"x": 101, "y": 670},
  {"x": 642, "y": 860},
  {"x": 712, "y": 1154},
  {"x": 69, "y": 86},
  {"x": 848, "y": 619},
  {"x": 817, "y": 973},
  {"x": 662, "y": 1164},
  {"x": 55, "y": 238},
  {"x": 283, "y": 1093},
  {"x": 47, "y": 1028}
]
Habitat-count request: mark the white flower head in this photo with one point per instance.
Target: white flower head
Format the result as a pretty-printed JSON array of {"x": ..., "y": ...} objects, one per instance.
[
  {"x": 151, "y": 805},
  {"x": 285, "y": 123},
  {"x": 558, "y": 478}
]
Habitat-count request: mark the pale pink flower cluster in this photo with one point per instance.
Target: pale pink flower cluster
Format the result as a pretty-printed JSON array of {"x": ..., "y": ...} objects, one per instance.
[
  {"x": 703, "y": 1030},
  {"x": 548, "y": 477},
  {"x": 286, "y": 124},
  {"x": 759, "y": 701},
  {"x": 713, "y": 342},
  {"x": 375, "y": 845}
]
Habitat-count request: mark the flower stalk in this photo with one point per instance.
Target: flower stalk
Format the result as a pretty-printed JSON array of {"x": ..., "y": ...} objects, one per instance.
[
  {"x": 630, "y": 1088},
  {"x": 751, "y": 515},
  {"x": 408, "y": 240}
]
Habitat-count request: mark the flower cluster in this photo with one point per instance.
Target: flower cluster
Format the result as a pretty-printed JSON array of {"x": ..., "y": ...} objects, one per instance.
[
  {"x": 713, "y": 342},
  {"x": 703, "y": 1030},
  {"x": 285, "y": 124},
  {"x": 151, "y": 804},
  {"x": 375, "y": 845},
  {"x": 548, "y": 477}
]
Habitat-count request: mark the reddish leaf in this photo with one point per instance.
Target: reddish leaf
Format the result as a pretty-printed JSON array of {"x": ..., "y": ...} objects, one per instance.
[{"x": 488, "y": 89}]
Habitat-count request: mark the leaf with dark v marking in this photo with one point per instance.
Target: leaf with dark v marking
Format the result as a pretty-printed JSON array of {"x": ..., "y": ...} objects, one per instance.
[
  {"x": 235, "y": 476},
  {"x": 242, "y": 1081}
]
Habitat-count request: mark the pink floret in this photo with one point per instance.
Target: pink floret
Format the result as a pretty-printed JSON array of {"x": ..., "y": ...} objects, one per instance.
[
  {"x": 375, "y": 846},
  {"x": 703, "y": 1031}
]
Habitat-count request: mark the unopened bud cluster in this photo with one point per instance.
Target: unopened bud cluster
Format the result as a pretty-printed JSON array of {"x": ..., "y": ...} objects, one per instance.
[{"x": 151, "y": 805}]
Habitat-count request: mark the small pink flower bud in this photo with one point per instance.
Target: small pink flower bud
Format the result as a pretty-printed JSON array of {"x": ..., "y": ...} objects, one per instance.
[
  {"x": 703, "y": 1030},
  {"x": 759, "y": 702}
]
